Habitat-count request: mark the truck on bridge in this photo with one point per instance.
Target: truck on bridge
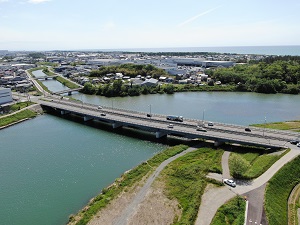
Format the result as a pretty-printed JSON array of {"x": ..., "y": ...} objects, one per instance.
[{"x": 175, "y": 118}]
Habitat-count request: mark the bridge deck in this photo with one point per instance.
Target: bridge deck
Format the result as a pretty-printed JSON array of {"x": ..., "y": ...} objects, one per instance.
[{"x": 157, "y": 123}]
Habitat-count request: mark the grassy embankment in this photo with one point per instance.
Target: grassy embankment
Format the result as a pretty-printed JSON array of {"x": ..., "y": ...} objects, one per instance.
[
  {"x": 66, "y": 82},
  {"x": 124, "y": 183},
  {"x": 278, "y": 191},
  {"x": 186, "y": 180},
  {"x": 282, "y": 183},
  {"x": 259, "y": 161},
  {"x": 25, "y": 114},
  {"x": 288, "y": 125},
  {"x": 233, "y": 212},
  {"x": 191, "y": 88}
]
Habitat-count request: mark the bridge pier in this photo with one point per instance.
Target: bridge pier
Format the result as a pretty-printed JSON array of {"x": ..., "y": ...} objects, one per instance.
[
  {"x": 218, "y": 143},
  {"x": 63, "y": 112},
  {"x": 87, "y": 118},
  {"x": 160, "y": 134},
  {"x": 116, "y": 125}
]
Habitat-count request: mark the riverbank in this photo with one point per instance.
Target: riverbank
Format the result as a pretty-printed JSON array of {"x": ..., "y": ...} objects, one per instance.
[
  {"x": 21, "y": 115},
  {"x": 166, "y": 198}
]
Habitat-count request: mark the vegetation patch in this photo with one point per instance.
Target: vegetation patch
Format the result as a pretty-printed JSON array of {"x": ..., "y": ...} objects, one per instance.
[
  {"x": 272, "y": 75},
  {"x": 288, "y": 125},
  {"x": 25, "y": 114},
  {"x": 278, "y": 191},
  {"x": 231, "y": 213},
  {"x": 66, "y": 82},
  {"x": 127, "y": 180},
  {"x": 250, "y": 165},
  {"x": 19, "y": 105},
  {"x": 186, "y": 180}
]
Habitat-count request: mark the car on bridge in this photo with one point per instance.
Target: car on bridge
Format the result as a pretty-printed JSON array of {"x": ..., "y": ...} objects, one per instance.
[
  {"x": 247, "y": 129},
  {"x": 199, "y": 128},
  {"x": 103, "y": 114},
  {"x": 170, "y": 125},
  {"x": 229, "y": 182},
  {"x": 210, "y": 124},
  {"x": 294, "y": 142}
]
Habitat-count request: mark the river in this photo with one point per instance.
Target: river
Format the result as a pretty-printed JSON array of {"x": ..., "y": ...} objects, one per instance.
[{"x": 50, "y": 167}]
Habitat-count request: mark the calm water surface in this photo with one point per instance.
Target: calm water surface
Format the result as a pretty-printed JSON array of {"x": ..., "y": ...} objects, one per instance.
[
  {"x": 50, "y": 167},
  {"x": 227, "y": 107}
]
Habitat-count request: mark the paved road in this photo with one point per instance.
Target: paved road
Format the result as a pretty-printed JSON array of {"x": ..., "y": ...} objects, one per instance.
[
  {"x": 255, "y": 205},
  {"x": 225, "y": 166},
  {"x": 132, "y": 207},
  {"x": 216, "y": 197}
]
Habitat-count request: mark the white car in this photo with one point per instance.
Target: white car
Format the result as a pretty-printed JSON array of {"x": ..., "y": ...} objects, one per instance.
[
  {"x": 229, "y": 182},
  {"x": 210, "y": 124},
  {"x": 170, "y": 125},
  {"x": 298, "y": 145},
  {"x": 199, "y": 128}
]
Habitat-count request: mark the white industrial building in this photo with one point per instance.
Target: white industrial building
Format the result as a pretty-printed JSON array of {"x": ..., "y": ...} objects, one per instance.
[{"x": 5, "y": 96}]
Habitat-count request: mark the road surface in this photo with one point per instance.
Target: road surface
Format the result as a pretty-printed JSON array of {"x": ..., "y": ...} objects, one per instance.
[{"x": 216, "y": 197}]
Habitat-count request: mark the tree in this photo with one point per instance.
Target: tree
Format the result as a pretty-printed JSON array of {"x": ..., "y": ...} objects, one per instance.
[
  {"x": 169, "y": 89},
  {"x": 238, "y": 165},
  {"x": 89, "y": 88}
]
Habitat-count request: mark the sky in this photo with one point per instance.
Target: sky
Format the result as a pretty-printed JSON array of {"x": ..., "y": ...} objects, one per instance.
[{"x": 37, "y": 25}]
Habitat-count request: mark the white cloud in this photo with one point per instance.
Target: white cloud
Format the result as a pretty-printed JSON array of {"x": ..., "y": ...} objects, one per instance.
[
  {"x": 37, "y": 1},
  {"x": 197, "y": 16},
  {"x": 3, "y": 1}
]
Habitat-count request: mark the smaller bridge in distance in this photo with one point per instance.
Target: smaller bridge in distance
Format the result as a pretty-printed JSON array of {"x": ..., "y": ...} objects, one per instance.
[
  {"x": 45, "y": 77},
  {"x": 69, "y": 91}
]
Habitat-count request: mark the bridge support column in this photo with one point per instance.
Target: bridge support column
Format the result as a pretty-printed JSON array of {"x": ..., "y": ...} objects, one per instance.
[
  {"x": 218, "y": 143},
  {"x": 87, "y": 118},
  {"x": 63, "y": 112},
  {"x": 116, "y": 125},
  {"x": 160, "y": 134}
]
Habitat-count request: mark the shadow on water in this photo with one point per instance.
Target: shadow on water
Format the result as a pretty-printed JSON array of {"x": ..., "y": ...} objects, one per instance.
[{"x": 125, "y": 131}]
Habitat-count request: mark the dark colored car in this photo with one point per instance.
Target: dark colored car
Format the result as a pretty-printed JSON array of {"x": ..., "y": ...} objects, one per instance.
[
  {"x": 294, "y": 142},
  {"x": 247, "y": 129}
]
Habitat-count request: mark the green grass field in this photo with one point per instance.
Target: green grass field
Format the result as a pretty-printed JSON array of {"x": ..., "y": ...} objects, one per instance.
[
  {"x": 259, "y": 162},
  {"x": 186, "y": 180},
  {"x": 66, "y": 82},
  {"x": 17, "y": 117},
  {"x": 278, "y": 191},
  {"x": 233, "y": 212},
  {"x": 288, "y": 125}
]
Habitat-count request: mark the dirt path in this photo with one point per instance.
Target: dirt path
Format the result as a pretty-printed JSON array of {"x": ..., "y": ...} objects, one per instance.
[{"x": 142, "y": 205}]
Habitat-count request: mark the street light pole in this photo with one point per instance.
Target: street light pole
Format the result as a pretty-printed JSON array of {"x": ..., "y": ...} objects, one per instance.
[
  {"x": 203, "y": 118},
  {"x": 150, "y": 109},
  {"x": 264, "y": 126}
]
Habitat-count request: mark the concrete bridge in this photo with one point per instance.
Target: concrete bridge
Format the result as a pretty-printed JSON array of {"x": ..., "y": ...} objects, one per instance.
[
  {"x": 46, "y": 77},
  {"x": 69, "y": 91},
  {"x": 219, "y": 133}
]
